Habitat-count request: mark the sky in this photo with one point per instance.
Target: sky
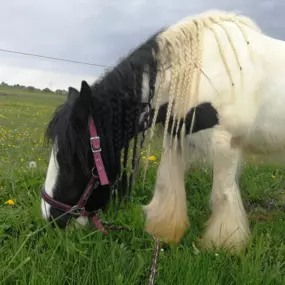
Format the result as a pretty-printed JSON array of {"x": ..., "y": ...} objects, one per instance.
[{"x": 99, "y": 32}]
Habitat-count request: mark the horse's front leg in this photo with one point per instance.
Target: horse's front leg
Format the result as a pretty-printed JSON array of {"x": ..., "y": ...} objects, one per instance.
[
  {"x": 228, "y": 226},
  {"x": 166, "y": 214}
]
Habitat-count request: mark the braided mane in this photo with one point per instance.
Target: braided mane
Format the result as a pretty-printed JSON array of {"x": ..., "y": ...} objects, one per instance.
[
  {"x": 117, "y": 107},
  {"x": 182, "y": 46}
]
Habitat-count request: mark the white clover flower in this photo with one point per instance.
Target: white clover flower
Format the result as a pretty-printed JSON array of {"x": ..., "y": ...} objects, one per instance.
[{"x": 32, "y": 164}]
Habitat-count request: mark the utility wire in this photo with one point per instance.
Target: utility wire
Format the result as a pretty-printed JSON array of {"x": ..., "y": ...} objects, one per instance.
[{"x": 54, "y": 58}]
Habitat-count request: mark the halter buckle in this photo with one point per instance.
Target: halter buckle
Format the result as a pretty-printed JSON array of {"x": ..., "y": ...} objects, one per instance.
[{"x": 92, "y": 148}]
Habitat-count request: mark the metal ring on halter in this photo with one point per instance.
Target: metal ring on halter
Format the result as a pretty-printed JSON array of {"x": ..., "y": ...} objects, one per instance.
[
  {"x": 75, "y": 210},
  {"x": 93, "y": 173}
]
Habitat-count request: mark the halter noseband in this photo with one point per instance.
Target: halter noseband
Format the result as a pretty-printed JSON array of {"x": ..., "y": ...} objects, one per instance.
[{"x": 94, "y": 181}]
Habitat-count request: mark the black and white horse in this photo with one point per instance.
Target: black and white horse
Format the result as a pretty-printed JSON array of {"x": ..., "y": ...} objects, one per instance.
[{"x": 216, "y": 82}]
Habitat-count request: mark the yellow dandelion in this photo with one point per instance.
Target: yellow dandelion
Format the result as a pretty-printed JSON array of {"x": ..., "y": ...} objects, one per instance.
[
  {"x": 273, "y": 176},
  {"x": 10, "y": 202},
  {"x": 152, "y": 158}
]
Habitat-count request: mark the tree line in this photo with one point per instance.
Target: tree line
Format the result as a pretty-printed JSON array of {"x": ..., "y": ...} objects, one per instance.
[{"x": 33, "y": 89}]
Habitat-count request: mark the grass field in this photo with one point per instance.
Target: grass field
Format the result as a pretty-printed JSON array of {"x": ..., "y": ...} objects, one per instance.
[{"x": 29, "y": 255}]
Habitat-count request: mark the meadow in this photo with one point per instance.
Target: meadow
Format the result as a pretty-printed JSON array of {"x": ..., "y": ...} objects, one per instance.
[{"x": 32, "y": 253}]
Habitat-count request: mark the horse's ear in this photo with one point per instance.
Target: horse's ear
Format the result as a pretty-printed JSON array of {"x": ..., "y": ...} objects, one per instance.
[
  {"x": 85, "y": 93},
  {"x": 80, "y": 110},
  {"x": 73, "y": 94}
]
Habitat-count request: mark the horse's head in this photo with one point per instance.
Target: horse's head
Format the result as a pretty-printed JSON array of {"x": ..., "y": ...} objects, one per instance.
[{"x": 72, "y": 164}]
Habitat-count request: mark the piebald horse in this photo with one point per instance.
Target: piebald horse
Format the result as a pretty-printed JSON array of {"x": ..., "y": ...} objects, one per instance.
[{"x": 215, "y": 82}]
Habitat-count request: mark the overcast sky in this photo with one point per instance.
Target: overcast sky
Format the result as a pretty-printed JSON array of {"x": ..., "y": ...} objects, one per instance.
[{"x": 99, "y": 32}]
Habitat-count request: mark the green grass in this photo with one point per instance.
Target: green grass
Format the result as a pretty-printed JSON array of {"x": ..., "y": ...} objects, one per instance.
[{"x": 29, "y": 255}]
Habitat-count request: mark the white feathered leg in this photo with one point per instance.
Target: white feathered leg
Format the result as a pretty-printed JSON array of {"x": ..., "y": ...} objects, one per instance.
[
  {"x": 166, "y": 214},
  {"x": 228, "y": 226}
]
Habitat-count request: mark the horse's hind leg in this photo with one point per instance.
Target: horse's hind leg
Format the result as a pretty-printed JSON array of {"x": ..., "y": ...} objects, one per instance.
[
  {"x": 228, "y": 226},
  {"x": 166, "y": 214}
]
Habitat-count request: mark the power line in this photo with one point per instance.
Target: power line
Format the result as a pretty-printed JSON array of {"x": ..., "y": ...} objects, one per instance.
[{"x": 54, "y": 58}]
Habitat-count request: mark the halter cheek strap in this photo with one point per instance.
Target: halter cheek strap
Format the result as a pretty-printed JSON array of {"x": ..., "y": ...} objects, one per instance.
[
  {"x": 96, "y": 149},
  {"x": 94, "y": 182}
]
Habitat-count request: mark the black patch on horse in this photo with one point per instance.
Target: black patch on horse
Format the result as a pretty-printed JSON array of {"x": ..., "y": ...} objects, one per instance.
[{"x": 206, "y": 116}]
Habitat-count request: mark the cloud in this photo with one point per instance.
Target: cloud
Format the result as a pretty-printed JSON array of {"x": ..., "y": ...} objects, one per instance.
[{"x": 100, "y": 31}]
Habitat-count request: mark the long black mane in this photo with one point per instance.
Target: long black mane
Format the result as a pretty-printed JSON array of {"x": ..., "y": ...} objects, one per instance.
[{"x": 116, "y": 107}]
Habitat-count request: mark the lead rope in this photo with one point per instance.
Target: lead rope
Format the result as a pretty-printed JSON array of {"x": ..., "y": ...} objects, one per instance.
[
  {"x": 154, "y": 261},
  {"x": 155, "y": 253}
]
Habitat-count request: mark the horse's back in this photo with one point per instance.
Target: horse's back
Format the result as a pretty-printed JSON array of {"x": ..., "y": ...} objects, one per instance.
[{"x": 249, "y": 85}]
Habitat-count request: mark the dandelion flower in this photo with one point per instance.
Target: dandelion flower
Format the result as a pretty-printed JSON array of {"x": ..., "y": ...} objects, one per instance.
[
  {"x": 10, "y": 202},
  {"x": 32, "y": 164},
  {"x": 152, "y": 158},
  {"x": 273, "y": 176}
]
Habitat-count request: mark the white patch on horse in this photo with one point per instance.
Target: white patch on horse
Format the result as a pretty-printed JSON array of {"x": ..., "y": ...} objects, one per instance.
[
  {"x": 82, "y": 221},
  {"x": 145, "y": 85},
  {"x": 145, "y": 91},
  {"x": 52, "y": 174}
]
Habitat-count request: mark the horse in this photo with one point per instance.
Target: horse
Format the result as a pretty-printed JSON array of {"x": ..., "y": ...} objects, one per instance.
[{"x": 215, "y": 82}]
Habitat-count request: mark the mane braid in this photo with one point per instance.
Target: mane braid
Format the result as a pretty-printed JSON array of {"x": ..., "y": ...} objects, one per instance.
[
  {"x": 134, "y": 157},
  {"x": 121, "y": 88}
]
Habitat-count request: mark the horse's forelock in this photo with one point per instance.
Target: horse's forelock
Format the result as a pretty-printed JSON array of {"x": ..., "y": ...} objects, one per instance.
[{"x": 64, "y": 131}]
